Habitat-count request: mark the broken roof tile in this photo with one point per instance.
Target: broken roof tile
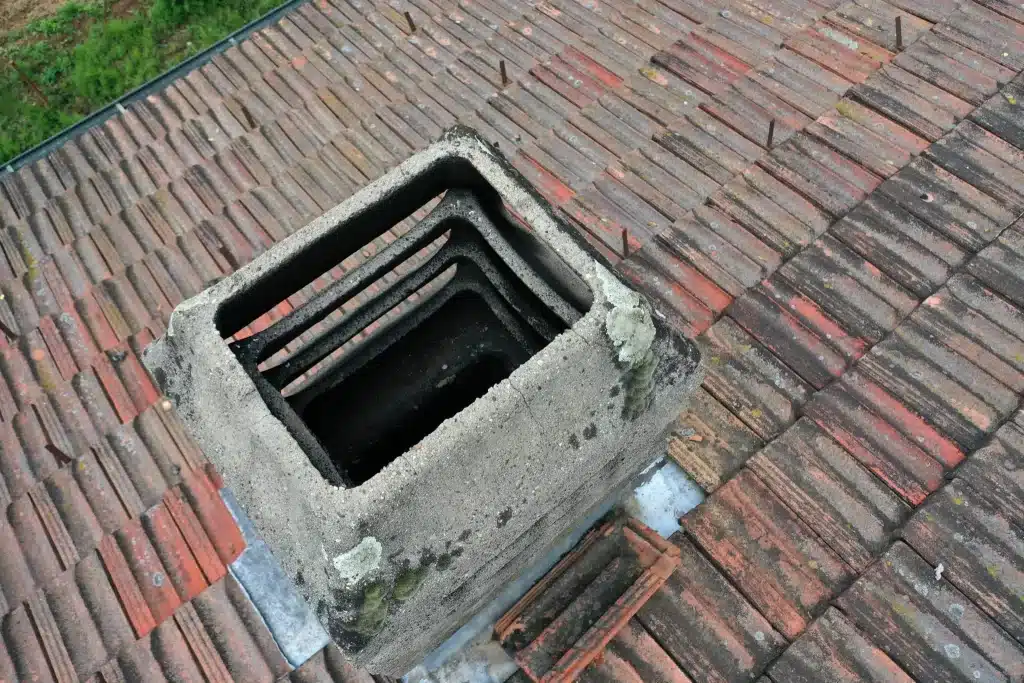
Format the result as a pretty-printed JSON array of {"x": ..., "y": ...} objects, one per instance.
[{"x": 711, "y": 443}]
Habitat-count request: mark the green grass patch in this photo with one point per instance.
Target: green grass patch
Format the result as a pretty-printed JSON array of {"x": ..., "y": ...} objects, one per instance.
[{"x": 59, "y": 69}]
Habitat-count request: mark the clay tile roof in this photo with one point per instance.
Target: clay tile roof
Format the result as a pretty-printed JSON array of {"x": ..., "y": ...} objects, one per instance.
[{"x": 833, "y": 212}]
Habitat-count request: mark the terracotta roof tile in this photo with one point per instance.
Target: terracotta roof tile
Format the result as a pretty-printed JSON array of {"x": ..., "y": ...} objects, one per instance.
[
  {"x": 911, "y": 625},
  {"x": 634, "y": 656},
  {"x": 833, "y": 55},
  {"x": 784, "y": 334},
  {"x": 214, "y": 516},
  {"x": 772, "y": 557},
  {"x": 182, "y": 569},
  {"x": 125, "y": 587},
  {"x": 718, "y": 445},
  {"x": 171, "y": 649},
  {"x": 900, "y": 245},
  {"x": 691, "y": 304},
  {"x": 44, "y": 561},
  {"x": 706, "y": 625},
  {"x": 853, "y": 512},
  {"x": 150, "y": 575},
  {"x": 64, "y": 614},
  {"x": 201, "y": 646},
  {"x": 104, "y": 609},
  {"x": 788, "y": 199},
  {"x": 27, "y": 651},
  {"x": 135, "y": 215},
  {"x": 146, "y": 473},
  {"x": 228, "y": 634},
  {"x": 1000, "y": 115},
  {"x": 105, "y": 485},
  {"x": 988, "y": 32},
  {"x": 833, "y": 650},
  {"x": 998, "y": 266},
  {"x": 826, "y": 189},
  {"x": 16, "y": 581},
  {"x": 977, "y": 546},
  {"x": 910, "y": 372},
  {"x": 761, "y": 256},
  {"x": 750, "y": 381},
  {"x": 716, "y": 258}
]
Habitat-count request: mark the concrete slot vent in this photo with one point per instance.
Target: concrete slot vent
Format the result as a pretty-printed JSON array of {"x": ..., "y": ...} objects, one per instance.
[{"x": 452, "y": 395}]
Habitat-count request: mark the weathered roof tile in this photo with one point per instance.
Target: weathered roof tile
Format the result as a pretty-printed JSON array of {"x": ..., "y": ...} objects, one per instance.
[
  {"x": 978, "y": 547},
  {"x": 831, "y": 651},
  {"x": 697, "y": 603},
  {"x": 854, "y": 513},
  {"x": 761, "y": 546},
  {"x": 927, "y": 625}
]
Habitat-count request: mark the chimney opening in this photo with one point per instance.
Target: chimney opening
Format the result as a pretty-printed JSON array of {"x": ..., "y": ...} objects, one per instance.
[{"x": 403, "y": 331}]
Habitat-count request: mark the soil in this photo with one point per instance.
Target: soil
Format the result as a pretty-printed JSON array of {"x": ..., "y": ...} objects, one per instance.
[{"x": 16, "y": 13}]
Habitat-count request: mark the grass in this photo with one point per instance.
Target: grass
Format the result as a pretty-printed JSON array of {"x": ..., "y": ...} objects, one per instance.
[{"x": 59, "y": 69}]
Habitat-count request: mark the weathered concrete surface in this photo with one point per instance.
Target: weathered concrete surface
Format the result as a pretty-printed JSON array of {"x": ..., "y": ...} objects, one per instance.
[{"x": 394, "y": 566}]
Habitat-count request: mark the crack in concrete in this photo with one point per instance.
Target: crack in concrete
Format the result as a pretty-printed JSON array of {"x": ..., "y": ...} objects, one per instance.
[{"x": 526, "y": 404}]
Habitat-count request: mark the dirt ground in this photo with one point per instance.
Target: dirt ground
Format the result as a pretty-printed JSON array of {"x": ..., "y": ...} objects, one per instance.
[{"x": 16, "y": 13}]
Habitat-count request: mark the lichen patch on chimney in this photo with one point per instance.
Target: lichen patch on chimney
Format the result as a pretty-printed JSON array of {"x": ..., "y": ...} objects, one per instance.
[
  {"x": 628, "y": 322},
  {"x": 360, "y": 562}
]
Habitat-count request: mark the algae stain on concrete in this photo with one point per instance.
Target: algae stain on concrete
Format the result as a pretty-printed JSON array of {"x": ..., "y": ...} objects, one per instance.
[
  {"x": 374, "y": 610},
  {"x": 407, "y": 581}
]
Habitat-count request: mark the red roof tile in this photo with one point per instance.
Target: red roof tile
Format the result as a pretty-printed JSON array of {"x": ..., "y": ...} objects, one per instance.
[
  {"x": 833, "y": 650},
  {"x": 893, "y": 180}
]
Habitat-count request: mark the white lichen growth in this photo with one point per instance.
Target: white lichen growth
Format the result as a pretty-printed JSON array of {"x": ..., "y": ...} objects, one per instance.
[
  {"x": 359, "y": 562},
  {"x": 628, "y": 322}
]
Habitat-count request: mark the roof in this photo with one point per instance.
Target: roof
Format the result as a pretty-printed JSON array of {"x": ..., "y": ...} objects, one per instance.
[{"x": 857, "y": 287}]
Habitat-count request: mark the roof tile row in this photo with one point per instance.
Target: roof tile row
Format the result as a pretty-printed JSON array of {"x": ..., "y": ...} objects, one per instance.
[
  {"x": 103, "y": 591},
  {"x": 229, "y": 160},
  {"x": 833, "y": 320},
  {"x": 934, "y": 364}
]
